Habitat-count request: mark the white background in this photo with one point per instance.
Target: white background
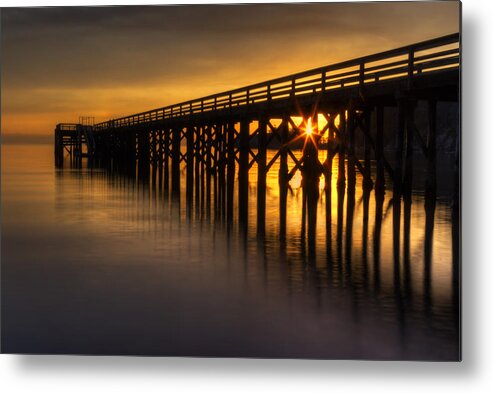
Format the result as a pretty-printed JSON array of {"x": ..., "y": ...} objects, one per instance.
[{"x": 474, "y": 373}]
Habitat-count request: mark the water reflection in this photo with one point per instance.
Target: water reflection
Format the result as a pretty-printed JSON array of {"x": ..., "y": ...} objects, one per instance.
[
  {"x": 347, "y": 297},
  {"x": 353, "y": 207}
]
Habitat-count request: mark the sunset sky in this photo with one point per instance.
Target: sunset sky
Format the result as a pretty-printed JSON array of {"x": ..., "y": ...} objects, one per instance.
[{"x": 59, "y": 63}]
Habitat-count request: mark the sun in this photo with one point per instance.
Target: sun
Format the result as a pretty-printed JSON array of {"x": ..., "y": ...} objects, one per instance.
[{"x": 309, "y": 129}]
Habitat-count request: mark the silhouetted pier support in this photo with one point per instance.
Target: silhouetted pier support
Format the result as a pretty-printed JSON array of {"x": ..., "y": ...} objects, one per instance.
[
  {"x": 311, "y": 171},
  {"x": 379, "y": 143},
  {"x": 351, "y": 164},
  {"x": 341, "y": 148},
  {"x": 408, "y": 176},
  {"x": 154, "y": 159},
  {"x": 244, "y": 153},
  {"x": 397, "y": 181},
  {"x": 283, "y": 177},
  {"x": 430, "y": 201},
  {"x": 208, "y": 171},
  {"x": 190, "y": 154},
  {"x": 59, "y": 148},
  {"x": 175, "y": 162},
  {"x": 231, "y": 168},
  {"x": 327, "y": 172},
  {"x": 216, "y": 169},
  {"x": 197, "y": 150},
  {"x": 379, "y": 194},
  {"x": 430, "y": 187},
  {"x": 365, "y": 124},
  {"x": 341, "y": 182},
  {"x": 203, "y": 155},
  {"x": 261, "y": 176},
  {"x": 144, "y": 155},
  {"x": 167, "y": 144},
  {"x": 221, "y": 162},
  {"x": 127, "y": 154},
  {"x": 160, "y": 160}
]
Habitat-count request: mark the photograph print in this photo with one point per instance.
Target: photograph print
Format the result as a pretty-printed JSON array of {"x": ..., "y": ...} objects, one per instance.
[{"x": 261, "y": 180}]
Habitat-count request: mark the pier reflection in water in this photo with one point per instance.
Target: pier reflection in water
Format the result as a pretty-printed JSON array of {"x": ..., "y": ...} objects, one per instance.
[{"x": 117, "y": 266}]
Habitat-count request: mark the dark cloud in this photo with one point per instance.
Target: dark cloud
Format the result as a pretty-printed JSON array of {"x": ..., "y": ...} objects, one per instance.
[{"x": 81, "y": 46}]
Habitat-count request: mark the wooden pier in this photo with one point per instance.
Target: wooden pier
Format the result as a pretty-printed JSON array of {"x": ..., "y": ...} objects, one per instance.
[{"x": 226, "y": 134}]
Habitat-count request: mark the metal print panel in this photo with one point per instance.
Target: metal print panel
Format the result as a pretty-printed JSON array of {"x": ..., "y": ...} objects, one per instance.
[{"x": 232, "y": 180}]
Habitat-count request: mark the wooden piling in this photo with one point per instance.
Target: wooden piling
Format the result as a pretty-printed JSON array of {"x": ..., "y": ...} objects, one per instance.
[
  {"x": 367, "y": 180},
  {"x": 341, "y": 147},
  {"x": 261, "y": 176},
  {"x": 154, "y": 160},
  {"x": 283, "y": 177},
  {"x": 351, "y": 165},
  {"x": 430, "y": 197},
  {"x": 175, "y": 162},
  {"x": 351, "y": 187},
  {"x": 350, "y": 205},
  {"x": 217, "y": 171},
  {"x": 160, "y": 160},
  {"x": 327, "y": 171},
  {"x": 222, "y": 171},
  {"x": 203, "y": 157},
  {"x": 144, "y": 153},
  {"x": 208, "y": 171},
  {"x": 231, "y": 167},
  {"x": 367, "y": 187},
  {"x": 341, "y": 192},
  {"x": 244, "y": 148},
  {"x": 397, "y": 181},
  {"x": 190, "y": 133},
  {"x": 58, "y": 147},
  {"x": 380, "y": 176},
  {"x": 431, "y": 180},
  {"x": 129, "y": 151},
  {"x": 407, "y": 191},
  {"x": 311, "y": 179},
  {"x": 377, "y": 232},
  {"x": 197, "y": 154},
  {"x": 166, "y": 136}
]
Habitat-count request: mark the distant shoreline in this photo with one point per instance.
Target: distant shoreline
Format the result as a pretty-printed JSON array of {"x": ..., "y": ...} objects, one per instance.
[{"x": 26, "y": 139}]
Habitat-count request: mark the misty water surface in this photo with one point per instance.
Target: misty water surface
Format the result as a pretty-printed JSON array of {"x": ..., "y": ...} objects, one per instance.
[{"x": 100, "y": 264}]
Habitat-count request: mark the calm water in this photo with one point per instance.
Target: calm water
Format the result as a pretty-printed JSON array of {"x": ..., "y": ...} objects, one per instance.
[{"x": 96, "y": 264}]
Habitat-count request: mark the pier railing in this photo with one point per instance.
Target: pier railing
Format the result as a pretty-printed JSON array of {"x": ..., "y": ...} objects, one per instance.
[
  {"x": 66, "y": 127},
  {"x": 409, "y": 62}
]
